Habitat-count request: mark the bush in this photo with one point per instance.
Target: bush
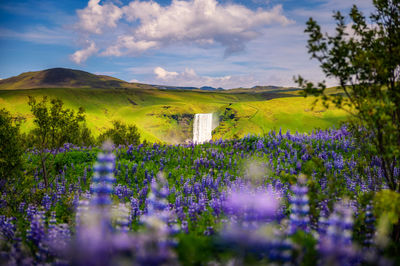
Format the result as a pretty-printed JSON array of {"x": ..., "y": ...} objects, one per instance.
[
  {"x": 11, "y": 150},
  {"x": 56, "y": 125},
  {"x": 121, "y": 134}
]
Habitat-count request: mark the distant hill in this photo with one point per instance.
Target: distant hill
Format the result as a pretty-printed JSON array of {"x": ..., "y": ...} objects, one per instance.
[
  {"x": 71, "y": 78},
  {"x": 208, "y": 88},
  {"x": 262, "y": 89},
  {"x": 165, "y": 113},
  {"x": 204, "y": 88},
  {"x": 163, "y": 87},
  {"x": 64, "y": 78}
]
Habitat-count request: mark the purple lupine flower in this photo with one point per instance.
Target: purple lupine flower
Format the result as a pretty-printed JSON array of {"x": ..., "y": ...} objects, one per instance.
[
  {"x": 31, "y": 211},
  {"x": 81, "y": 209},
  {"x": 369, "y": 226},
  {"x": 299, "y": 207},
  {"x": 209, "y": 231},
  {"x": 336, "y": 245},
  {"x": 16, "y": 256},
  {"x": 305, "y": 156},
  {"x": 58, "y": 237},
  {"x": 160, "y": 224},
  {"x": 7, "y": 228},
  {"x": 103, "y": 177},
  {"x": 121, "y": 215},
  {"x": 157, "y": 204},
  {"x": 46, "y": 202},
  {"x": 260, "y": 145},
  {"x": 135, "y": 208},
  {"x": 36, "y": 231},
  {"x": 248, "y": 204},
  {"x": 122, "y": 192},
  {"x": 21, "y": 207},
  {"x": 92, "y": 242},
  {"x": 338, "y": 162},
  {"x": 270, "y": 244}
]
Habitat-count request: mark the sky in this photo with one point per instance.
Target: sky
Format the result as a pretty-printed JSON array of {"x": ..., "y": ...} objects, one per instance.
[{"x": 219, "y": 43}]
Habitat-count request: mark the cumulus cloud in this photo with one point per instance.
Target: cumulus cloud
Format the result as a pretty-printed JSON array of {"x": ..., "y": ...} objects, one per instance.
[
  {"x": 163, "y": 74},
  {"x": 145, "y": 25},
  {"x": 189, "y": 78},
  {"x": 81, "y": 56},
  {"x": 95, "y": 17},
  {"x": 128, "y": 45}
]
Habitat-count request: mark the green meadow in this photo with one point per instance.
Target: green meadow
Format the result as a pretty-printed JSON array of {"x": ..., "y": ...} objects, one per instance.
[{"x": 167, "y": 115}]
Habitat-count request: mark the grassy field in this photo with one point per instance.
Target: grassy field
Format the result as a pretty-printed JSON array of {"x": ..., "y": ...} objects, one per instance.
[
  {"x": 167, "y": 116},
  {"x": 294, "y": 114}
]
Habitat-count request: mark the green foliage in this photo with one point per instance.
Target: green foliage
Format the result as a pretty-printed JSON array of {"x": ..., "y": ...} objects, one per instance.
[
  {"x": 364, "y": 56},
  {"x": 387, "y": 210},
  {"x": 56, "y": 125},
  {"x": 10, "y": 150},
  {"x": 306, "y": 247},
  {"x": 193, "y": 250},
  {"x": 121, "y": 134},
  {"x": 387, "y": 203}
]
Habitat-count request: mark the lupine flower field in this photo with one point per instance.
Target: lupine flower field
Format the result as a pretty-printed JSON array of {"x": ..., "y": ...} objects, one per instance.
[{"x": 290, "y": 199}]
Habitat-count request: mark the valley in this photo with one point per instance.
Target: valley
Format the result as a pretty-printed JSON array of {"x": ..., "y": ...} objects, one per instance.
[{"x": 164, "y": 113}]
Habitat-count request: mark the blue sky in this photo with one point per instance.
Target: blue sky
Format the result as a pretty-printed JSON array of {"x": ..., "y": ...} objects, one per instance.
[{"x": 224, "y": 43}]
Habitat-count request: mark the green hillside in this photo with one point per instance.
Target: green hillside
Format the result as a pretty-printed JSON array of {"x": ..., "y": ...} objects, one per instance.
[
  {"x": 64, "y": 78},
  {"x": 167, "y": 115}
]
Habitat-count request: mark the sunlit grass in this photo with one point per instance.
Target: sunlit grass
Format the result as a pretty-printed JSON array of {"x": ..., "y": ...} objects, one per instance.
[{"x": 151, "y": 110}]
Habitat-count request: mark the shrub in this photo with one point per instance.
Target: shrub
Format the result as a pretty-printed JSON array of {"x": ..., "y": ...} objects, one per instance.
[
  {"x": 121, "y": 134},
  {"x": 11, "y": 150}
]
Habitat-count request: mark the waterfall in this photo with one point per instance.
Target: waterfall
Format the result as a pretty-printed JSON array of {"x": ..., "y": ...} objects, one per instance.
[{"x": 202, "y": 127}]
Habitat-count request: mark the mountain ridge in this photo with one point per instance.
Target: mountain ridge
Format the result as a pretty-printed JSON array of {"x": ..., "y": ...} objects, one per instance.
[
  {"x": 64, "y": 78},
  {"x": 72, "y": 78}
]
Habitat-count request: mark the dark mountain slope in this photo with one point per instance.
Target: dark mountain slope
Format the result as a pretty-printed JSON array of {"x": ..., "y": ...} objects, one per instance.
[{"x": 63, "y": 78}]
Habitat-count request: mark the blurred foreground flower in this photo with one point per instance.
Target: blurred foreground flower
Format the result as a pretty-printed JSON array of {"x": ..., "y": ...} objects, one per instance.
[
  {"x": 96, "y": 241},
  {"x": 155, "y": 243},
  {"x": 299, "y": 207},
  {"x": 248, "y": 205},
  {"x": 253, "y": 229},
  {"x": 103, "y": 177},
  {"x": 335, "y": 246}
]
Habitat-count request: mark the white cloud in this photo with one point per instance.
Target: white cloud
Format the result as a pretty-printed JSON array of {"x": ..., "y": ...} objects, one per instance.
[
  {"x": 189, "y": 78},
  {"x": 141, "y": 25},
  {"x": 81, "y": 56},
  {"x": 163, "y": 74},
  {"x": 95, "y": 17},
  {"x": 130, "y": 44},
  {"x": 266, "y": 62}
]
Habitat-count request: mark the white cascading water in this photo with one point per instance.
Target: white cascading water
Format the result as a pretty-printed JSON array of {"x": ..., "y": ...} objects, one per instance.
[{"x": 202, "y": 127}]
